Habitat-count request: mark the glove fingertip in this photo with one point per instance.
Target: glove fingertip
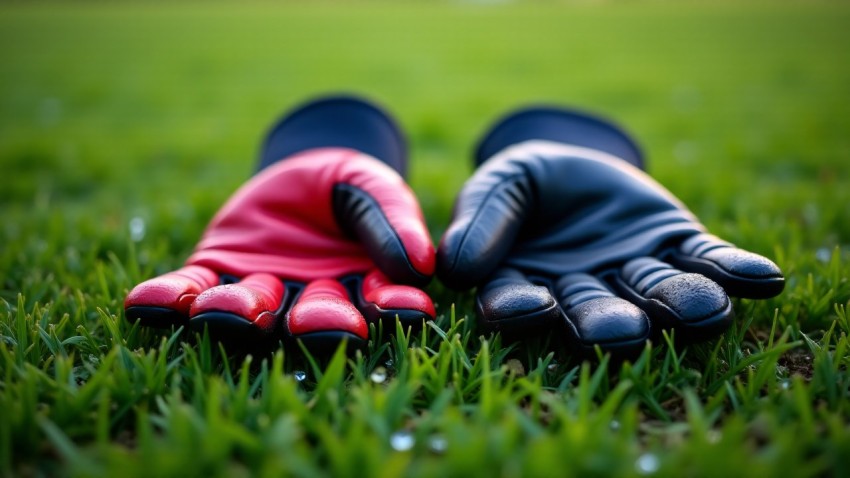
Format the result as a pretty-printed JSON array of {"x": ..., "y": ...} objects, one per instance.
[
  {"x": 416, "y": 249},
  {"x": 517, "y": 308},
  {"x": 742, "y": 273},
  {"x": 614, "y": 324},
  {"x": 757, "y": 276},
  {"x": 383, "y": 301},
  {"x": 460, "y": 263},
  {"x": 513, "y": 300},
  {"x": 324, "y": 307},
  {"x": 166, "y": 300}
]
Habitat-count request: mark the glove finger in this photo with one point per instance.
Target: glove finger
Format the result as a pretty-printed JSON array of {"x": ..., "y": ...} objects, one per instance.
[
  {"x": 511, "y": 304},
  {"x": 244, "y": 312},
  {"x": 374, "y": 204},
  {"x": 741, "y": 273},
  {"x": 595, "y": 316},
  {"x": 697, "y": 307},
  {"x": 165, "y": 301},
  {"x": 379, "y": 299},
  {"x": 489, "y": 213},
  {"x": 323, "y": 317}
]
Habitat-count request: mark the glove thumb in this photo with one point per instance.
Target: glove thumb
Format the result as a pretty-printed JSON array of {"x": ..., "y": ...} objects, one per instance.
[
  {"x": 489, "y": 213},
  {"x": 373, "y": 203}
]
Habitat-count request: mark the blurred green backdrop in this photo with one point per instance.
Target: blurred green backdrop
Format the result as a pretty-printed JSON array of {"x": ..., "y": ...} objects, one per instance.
[
  {"x": 125, "y": 125},
  {"x": 120, "y": 108}
]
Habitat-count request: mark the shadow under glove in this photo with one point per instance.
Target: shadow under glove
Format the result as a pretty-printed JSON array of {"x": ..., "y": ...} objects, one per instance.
[
  {"x": 312, "y": 246},
  {"x": 561, "y": 231}
]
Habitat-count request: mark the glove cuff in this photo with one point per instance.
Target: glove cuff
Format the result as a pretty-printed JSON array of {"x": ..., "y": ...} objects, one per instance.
[
  {"x": 560, "y": 125},
  {"x": 337, "y": 122}
]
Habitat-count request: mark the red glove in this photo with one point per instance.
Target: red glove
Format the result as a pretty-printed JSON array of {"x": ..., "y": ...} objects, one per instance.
[{"x": 311, "y": 246}]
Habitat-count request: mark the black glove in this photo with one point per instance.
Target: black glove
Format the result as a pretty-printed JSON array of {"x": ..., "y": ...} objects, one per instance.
[{"x": 561, "y": 230}]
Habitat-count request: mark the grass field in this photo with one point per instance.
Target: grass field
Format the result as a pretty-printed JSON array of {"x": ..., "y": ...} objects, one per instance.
[{"x": 123, "y": 127}]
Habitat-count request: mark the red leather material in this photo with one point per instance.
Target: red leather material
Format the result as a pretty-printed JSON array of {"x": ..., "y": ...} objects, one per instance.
[
  {"x": 398, "y": 204},
  {"x": 256, "y": 298},
  {"x": 175, "y": 290},
  {"x": 282, "y": 220},
  {"x": 378, "y": 290},
  {"x": 324, "y": 306}
]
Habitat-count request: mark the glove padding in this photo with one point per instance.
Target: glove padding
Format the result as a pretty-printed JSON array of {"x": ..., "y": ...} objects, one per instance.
[
  {"x": 561, "y": 235},
  {"x": 311, "y": 247}
]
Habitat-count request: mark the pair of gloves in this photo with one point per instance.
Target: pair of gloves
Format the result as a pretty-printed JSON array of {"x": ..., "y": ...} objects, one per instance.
[{"x": 559, "y": 228}]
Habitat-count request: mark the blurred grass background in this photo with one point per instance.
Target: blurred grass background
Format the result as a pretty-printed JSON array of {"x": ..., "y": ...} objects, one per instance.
[
  {"x": 120, "y": 113},
  {"x": 121, "y": 107}
]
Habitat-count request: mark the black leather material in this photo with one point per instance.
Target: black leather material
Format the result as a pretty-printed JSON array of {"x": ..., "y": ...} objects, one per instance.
[
  {"x": 488, "y": 218},
  {"x": 325, "y": 343},
  {"x": 509, "y": 301},
  {"x": 598, "y": 316},
  {"x": 551, "y": 210},
  {"x": 691, "y": 303},
  {"x": 740, "y": 272},
  {"x": 337, "y": 121},
  {"x": 560, "y": 125},
  {"x": 620, "y": 256}
]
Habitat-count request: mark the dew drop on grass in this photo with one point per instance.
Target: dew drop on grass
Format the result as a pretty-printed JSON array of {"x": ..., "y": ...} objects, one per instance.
[
  {"x": 713, "y": 436},
  {"x": 379, "y": 375},
  {"x": 647, "y": 464},
  {"x": 786, "y": 384},
  {"x": 552, "y": 367},
  {"x": 389, "y": 363},
  {"x": 402, "y": 440},
  {"x": 614, "y": 425},
  {"x": 300, "y": 375},
  {"x": 515, "y": 367},
  {"x": 438, "y": 444},
  {"x": 137, "y": 229}
]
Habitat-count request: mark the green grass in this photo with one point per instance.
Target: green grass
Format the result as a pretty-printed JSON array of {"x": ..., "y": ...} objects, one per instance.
[{"x": 116, "y": 111}]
